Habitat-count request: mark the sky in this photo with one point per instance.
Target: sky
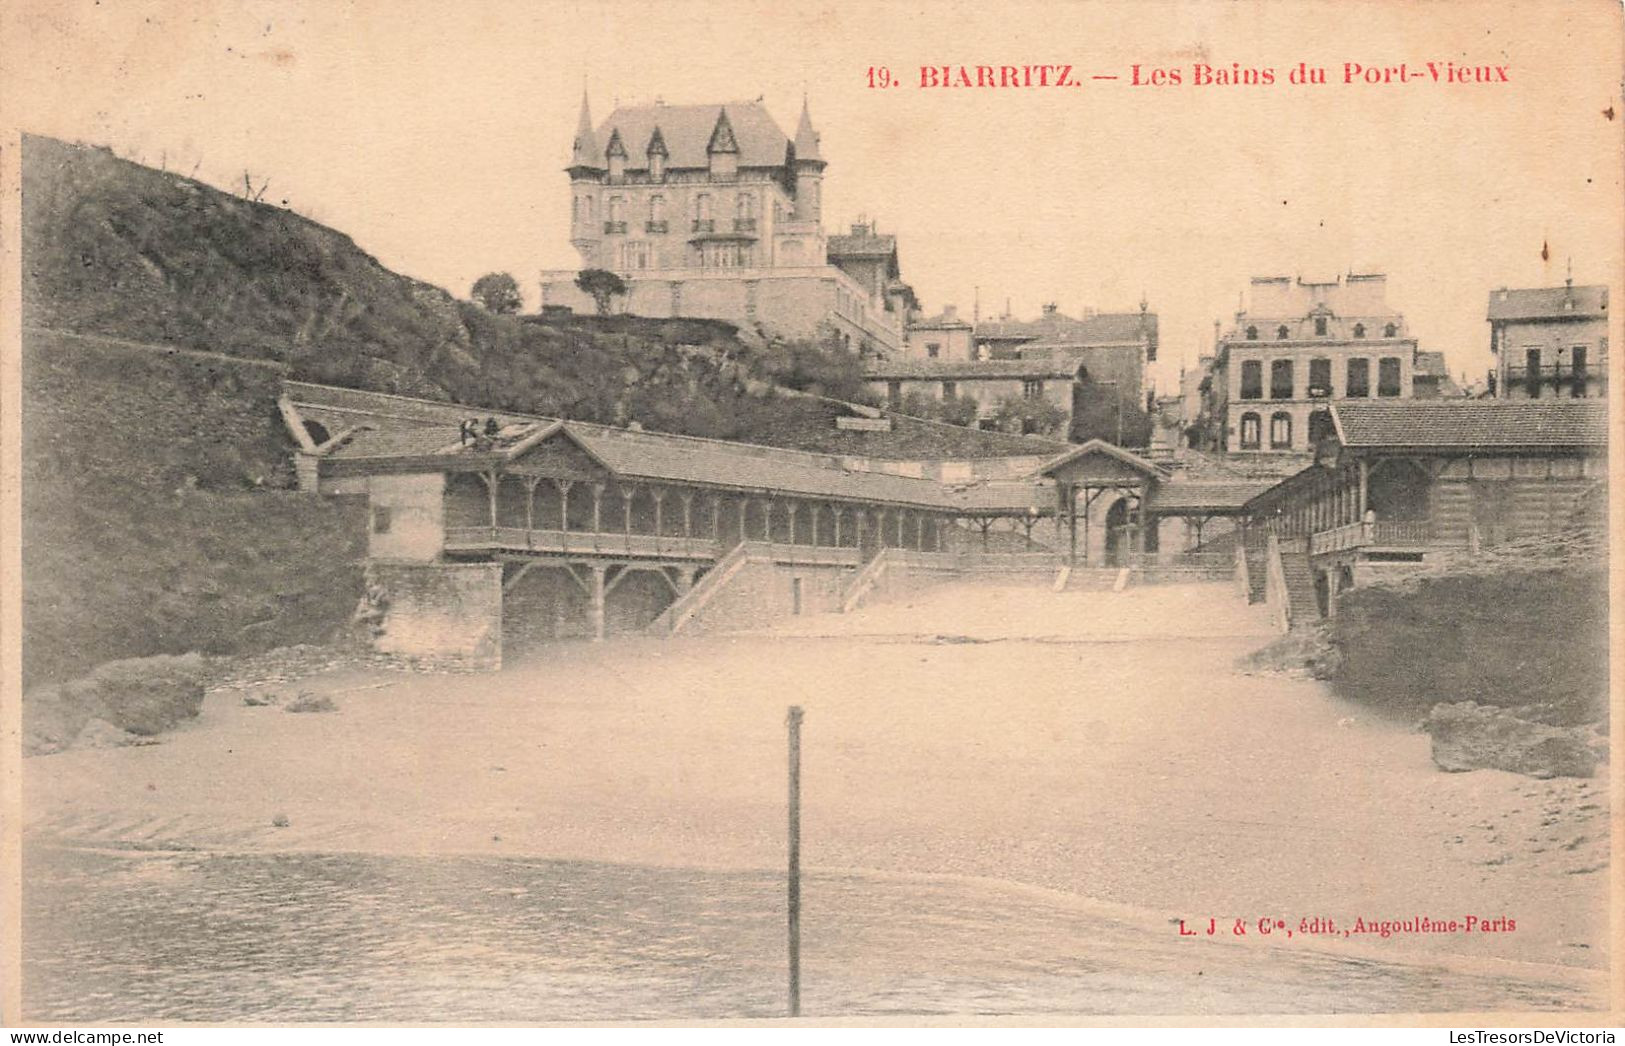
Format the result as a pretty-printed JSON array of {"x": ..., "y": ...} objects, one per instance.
[{"x": 435, "y": 135}]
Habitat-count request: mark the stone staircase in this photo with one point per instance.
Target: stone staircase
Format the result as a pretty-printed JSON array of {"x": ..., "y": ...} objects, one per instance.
[
  {"x": 1301, "y": 605},
  {"x": 682, "y": 611},
  {"x": 1257, "y": 552},
  {"x": 1090, "y": 579}
]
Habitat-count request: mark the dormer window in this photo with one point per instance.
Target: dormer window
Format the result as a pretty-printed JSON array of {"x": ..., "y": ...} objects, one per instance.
[
  {"x": 723, "y": 149},
  {"x": 1252, "y": 333},
  {"x": 657, "y": 156},
  {"x": 1390, "y": 331},
  {"x": 1359, "y": 330},
  {"x": 1281, "y": 333},
  {"x": 615, "y": 152},
  {"x": 1320, "y": 326}
]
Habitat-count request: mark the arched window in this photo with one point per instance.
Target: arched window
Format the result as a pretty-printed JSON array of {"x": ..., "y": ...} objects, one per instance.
[
  {"x": 1390, "y": 331},
  {"x": 1252, "y": 380},
  {"x": 1320, "y": 326},
  {"x": 1280, "y": 431},
  {"x": 657, "y": 166},
  {"x": 1281, "y": 379},
  {"x": 1249, "y": 431},
  {"x": 1281, "y": 333},
  {"x": 1359, "y": 330},
  {"x": 1252, "y": 333}
]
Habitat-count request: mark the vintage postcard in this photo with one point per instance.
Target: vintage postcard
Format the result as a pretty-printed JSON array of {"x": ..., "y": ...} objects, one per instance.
[{"x": 534, "y": 513}]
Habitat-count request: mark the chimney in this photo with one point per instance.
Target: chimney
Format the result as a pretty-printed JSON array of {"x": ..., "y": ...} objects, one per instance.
[
  {"x": 1049, "y": 308},
  {"x": 950, "y": 312}
]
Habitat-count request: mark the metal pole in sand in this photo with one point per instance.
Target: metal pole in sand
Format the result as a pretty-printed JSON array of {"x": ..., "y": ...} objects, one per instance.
[{"x": 793, "y": 720}]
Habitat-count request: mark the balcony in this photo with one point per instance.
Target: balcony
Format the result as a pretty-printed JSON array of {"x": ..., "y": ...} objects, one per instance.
[
  {"x": 704, "y": 225},
  {"x": 614, "y": 227},
  {"x": 579, "y": 543},
  {"x": 744, "y": 225},
  {"x": 1556, "y": 375},
  {"x": 660, "y": 226},
  {"x": 1397, "y": 533}
]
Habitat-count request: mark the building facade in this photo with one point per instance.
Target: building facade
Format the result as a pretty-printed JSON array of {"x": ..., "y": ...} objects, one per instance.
[
  {"x": 944, "y": 336},
  {"x": 985, "y": 383},
  {"x": 1550, "y": 342},
  {"x": 711, "y": 211},
  {"x": 1296, "y": 349},
  {"x": 1402, "y": 485}
]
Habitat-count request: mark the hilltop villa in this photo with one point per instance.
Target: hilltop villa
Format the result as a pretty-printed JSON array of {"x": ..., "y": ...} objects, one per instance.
[{"x": 711, "y": 211}]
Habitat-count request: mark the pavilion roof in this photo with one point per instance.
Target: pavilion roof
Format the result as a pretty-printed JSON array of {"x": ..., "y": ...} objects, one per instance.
[
  {"x": 1470, "y": 424},
  {"x": 389, "y": 432}
]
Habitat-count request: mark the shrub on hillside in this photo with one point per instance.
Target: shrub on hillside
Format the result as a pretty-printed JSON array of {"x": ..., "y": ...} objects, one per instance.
[{"x": 1512, "y": 639}]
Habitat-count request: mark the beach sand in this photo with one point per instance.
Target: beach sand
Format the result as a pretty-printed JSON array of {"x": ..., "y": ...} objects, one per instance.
[{"x": 1094, "y": 743}]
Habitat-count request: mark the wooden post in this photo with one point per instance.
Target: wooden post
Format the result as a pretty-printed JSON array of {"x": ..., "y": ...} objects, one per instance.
[
  {"x": 491, "y": 480},
  {"x": 597, "y": 507},
  {"x": 564, "y": 486},
  {"x": 793, "y": 907},
  {"x": 1072, "y": 527}
]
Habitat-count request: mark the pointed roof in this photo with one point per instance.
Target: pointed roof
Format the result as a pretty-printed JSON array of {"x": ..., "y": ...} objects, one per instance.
[
  {"x": 806, "y": 137},
  {"x": 657, "y": 144},
  {"x": 616, "y": 147},
  {"x": 1103, "y": 448},
  {"x": 722, "y": 136},
  {"x": 686, "y": 131},
  {"x": 584, "y": 150}
]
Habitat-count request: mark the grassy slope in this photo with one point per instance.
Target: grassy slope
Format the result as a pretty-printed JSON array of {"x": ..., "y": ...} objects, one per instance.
[{"x": 122, "y": 250}]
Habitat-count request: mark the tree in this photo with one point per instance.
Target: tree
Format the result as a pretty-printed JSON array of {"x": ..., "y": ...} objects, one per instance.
[
  {"x": 497, "y": 292},
  {"x": 602, "y": 285},
  {"x": 1029, "y": 416}
]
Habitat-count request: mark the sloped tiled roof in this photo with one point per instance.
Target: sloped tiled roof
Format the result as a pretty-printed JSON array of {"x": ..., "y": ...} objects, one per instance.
[
  {"x": 1181, "y": 495},
  {"x": 862, "y": 245},
  {"x": 1112, "y": 450},
  {"x": 1430, "y": 365},
  {"x": 940, "y": 321},
  {"x": 1473, "y": 423},
  {"x": 650, "y": 456},
  {"x": 399, "y": 429},
  {"x": 1059, "y": 329},
  {"x": 686, "y": 131},
  {"x": 971, "y": 370},
  {"x": 1529, "y": 303}
]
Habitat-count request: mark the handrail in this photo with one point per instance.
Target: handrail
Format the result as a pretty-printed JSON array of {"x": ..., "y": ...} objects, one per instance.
[
  {"x": 685, "y": 606},
  {"x": 609, "y": 543},
  {"x": 864, "y": 580},
  {"x": 1275, "y": 582}
]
